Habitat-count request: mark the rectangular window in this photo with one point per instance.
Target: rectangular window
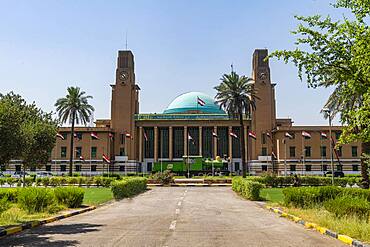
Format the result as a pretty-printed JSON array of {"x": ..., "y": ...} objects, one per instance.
[
  {"x": 163, "y": 142},
  {"x": 337, "y": 134},
  {"x": 64, "y": 134},
  {"x": 292, "y": 151},
  {"x": 149, "y": 166},
  {"x": 193, "y": 144},
  {"x": 354, "y": 151},
  {"x": 307, "y": 151},
  {"x": 323, "y": 151},
  {"x": 339, "y": 167},
  {"x": 93, "y": 152},
  {"x": 79, "y": 135},
  {"x": 63, "y": 152},
  {"x": 263, "y": 138},
  {"x": 292, "y": 168},
  {"x": 223, "y": 141},
  {"x": 48, "y": 168},
  {"x": 235, "y": 142},
  {"x": 122, "y": 139},
  {"x": 264, "y": 168},
  {"x": 207, "y": 142},
  {"x": 121, "y": 168},
  {"x": 33, "y": 168},
  {"x": 264, "y": 151},
  {"x": 78, "y": 152},
  {"x": 63, "y": 168},
  {"x": 149, "y": 143},
  {"x": 237, "y": 166},
  {"x": 325, "y": 168},
  {"x": 339, "y": 151},
  {"x": 308, "y": 168},
  {"x": 93, "y": 168},
  {"x": 18, "y": 168},
  {"x": 355, "y": 168},
  {"x": 77, "y": 168}
]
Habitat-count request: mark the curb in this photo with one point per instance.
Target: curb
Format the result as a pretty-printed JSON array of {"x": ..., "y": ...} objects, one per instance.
[
  {"x": 343, "y": 238},
  {"x": 189, "y": 185},
  {"x": 19, "y": 228}
]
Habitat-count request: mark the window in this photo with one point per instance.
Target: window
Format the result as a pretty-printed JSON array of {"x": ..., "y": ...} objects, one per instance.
[
  {"x": 149, "y": 166},
  {"x": 33, "y": 168},
  {"x": 121, "y": 168},
  {"x": 121, "y": 152},
  {"x": 78, "y": 152},
  {"x": 48, "y": 168},
  {"x": 339, "y": 167},
  {"x": 18, "y": 168},
  {"x": 77, "y": 168},
  {"x": 264, "y": 168},
  {"x": 237, "y": 166},
  {"x": 324, "y": 168},
  {"x": 337, "y": 134},
  {"x": 63, "y": 152},
  {"x": 292, "y": 168},
  {"x": 264, "y": 151},
  {"x": 292, "y": 151},
  {"x": 64, "y": 135},
  {"x": 339, "y": 151},
  {"x": 79, "y": 136},
  {"x": 323, "y": 151},
  {"x": 93, "y": 168},
  {"x": 63, "y": 168},
  {"x": 93, "y": 152},
  {"x": 308, "y": 168},
  {"x": 354, "y": 151},
  {"x": 307, "y": 151},
  {"x": 355, "y": 168},
  {"x": 263, "y": 138}
]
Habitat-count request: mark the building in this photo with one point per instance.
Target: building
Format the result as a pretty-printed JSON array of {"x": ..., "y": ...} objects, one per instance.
[{"x": 134, "y": 141}]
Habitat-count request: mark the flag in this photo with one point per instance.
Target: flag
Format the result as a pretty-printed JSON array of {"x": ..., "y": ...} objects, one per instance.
[
  {"x": 324, "y": 135},
  {"x": 82, "y": 158},
  {"x": 201, "y": 102},
  {"x": 145, "y": 136},
  {"x": 94, "y": 136},
  {"x": 306, "y": 134},
  {"x": 77, "y": 136},
  {"x": 191, "y": 139},
  {"x": 214, "y": 134},
  {"x": 252, "y": 134},
  {"x": 110, "y": 135},
  {"x": 273, "y": 155},
  {"x": 233, "y": 134},
  {"x": 288, "y": 135},
  {"x": 268, "y": 135},
  {"x": 106, "y": 159},
  {"x": 128, "y": 135},
  {"x": 60, "y": 136}
]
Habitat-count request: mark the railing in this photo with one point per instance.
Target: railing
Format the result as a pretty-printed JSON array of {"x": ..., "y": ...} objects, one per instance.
[{"x": 152, "y": 116}]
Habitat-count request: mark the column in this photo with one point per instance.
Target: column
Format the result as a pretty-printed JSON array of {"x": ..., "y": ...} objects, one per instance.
[
  {"x": 141, "y": 144},
  {"x": 155, "y": 143},
  {"x": 246, "y": 142},
  {"x": 170, "y": 144},
  {"x": 214, "y": 143},
  {"x": 185, "y": 140},
  {"x": 200, "y": 140},
  {"x": 230, "y": 142}
]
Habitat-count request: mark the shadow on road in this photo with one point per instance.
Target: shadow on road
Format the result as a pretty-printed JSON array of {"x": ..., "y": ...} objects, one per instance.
[{"x": 39, "y": 236}]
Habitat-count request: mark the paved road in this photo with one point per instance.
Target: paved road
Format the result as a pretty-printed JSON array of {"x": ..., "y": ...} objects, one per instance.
[{"x": 174, "y": 217}]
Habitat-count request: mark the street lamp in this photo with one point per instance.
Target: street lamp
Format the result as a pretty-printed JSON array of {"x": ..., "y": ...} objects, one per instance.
[{"x": 329, "y": 112}]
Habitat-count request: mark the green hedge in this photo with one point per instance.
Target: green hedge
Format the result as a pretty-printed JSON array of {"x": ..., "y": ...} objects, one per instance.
[
  {"x": 246, "y": 188},
  {"x": 11, "y": 194},
  {"x": 349, "y": 206},
  {"x": 70, "y": 197},
  {"x": 128, "y": 187},
  {"x": 35, "y": 199}
]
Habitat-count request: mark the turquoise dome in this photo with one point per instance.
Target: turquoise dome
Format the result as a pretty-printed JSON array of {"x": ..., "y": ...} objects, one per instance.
[{"x": 188, "y": 103}]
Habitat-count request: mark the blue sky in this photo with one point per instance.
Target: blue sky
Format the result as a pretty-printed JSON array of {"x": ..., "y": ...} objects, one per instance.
[{"x": 179, "y": 46}]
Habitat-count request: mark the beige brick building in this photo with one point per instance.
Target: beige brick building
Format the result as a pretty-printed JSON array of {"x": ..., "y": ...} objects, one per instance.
[{"x": 135, "y": 142}]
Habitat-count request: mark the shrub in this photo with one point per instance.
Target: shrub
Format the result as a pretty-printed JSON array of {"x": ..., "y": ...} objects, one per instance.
[
  {"x": 54, "y": 181},
  {"x": 98, "y": 181},
  {"x": 165, "y": 177},
  {"x": 349, "y": 206},
  {"x": 128, "y": 187},
  {"x": 246, "y": 188},
  {"x": 46, "y": 181},
  {"x": 81, "y": 181},
  {"x": 4, "y": 204},
  {"x": 38, "y": 181},
  {"x": 10, "y": 194},
  {"x": 11, "y": 181},
  {"x": 89, "y": 181},
  {"x": 71, "y": 197},
  {"x": 35, "y": 199},
  {"x": 2, "y": 181},
  {"x": 72, "y": 180},
  {"x": 106, "y": 182}
]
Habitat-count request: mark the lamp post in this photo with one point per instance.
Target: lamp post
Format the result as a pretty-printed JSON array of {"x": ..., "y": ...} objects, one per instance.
[{"x": 328, "y": 111}]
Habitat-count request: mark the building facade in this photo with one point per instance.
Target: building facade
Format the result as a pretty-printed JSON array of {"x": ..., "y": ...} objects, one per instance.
[{"x": 193, "y": 124}]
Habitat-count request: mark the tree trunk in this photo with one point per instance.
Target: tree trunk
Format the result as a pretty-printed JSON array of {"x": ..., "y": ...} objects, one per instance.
[
  {"x": 72, "y": 149},
  {"x": 365, "y": 146},
  {"x": 242, "y": 144}
]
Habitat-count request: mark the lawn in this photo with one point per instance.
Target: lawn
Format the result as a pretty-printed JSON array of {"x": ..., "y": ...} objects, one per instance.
[
  {"x": 274, "y": 195},
  {"x": 96, "y": 196}
]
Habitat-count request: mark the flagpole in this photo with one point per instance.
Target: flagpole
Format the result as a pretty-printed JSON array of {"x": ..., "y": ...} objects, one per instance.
[
  {"x": 188, "y": 155},
  {"x": 285, "y": 171},
  {"x": 322, "y": 155},
  {"x": 303, "y": 153},
  {"x": 90, "y": 156}
]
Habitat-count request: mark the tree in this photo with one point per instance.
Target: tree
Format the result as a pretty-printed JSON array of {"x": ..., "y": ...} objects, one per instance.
[
  {"x": 75, "y": 109},
  {"x": 236, "y": 95},
  {"x": 338, "y": 57}
]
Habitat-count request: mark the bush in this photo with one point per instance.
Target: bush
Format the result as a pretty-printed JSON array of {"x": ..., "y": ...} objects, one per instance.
[
  {"x": 165, "y": 177},
  {"x": 71, "y": 197},
  {"x": 11, "y": 181},
  {"x": 81, "y": 181},
  {"x": 2, "y": 181},
  {"x": 46, "y": 181},
  {"x": 72, "y": 180},
  {"x": 35, "y": 199},
  {"x": 54, "y": 181},
  {"x": 4, "y": 204},
  {"x": 246, "y": 188},
  {"x": 106, "y": 182},
  {"x": 98, "y": 181},
  {"x": 10, "y": 194},
  {"x": 349, "y": 206},
  {"x": 128, "y": 187}
]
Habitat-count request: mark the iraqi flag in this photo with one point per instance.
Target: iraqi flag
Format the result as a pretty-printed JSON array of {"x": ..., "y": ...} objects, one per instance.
[
  {"x": 324, "y": 135},
  {"x": 214, "y": 134},
  {"x": 145, "y": 136},
  {"x": 94, "y": 136},
  {"x": 190, "y": 138},
  {"x": 252, "y": 135},
  {"x": 82, "y": 158},
  {"x": 233, "y": 134},
  {"x": 106, "y": 159},
  {"x": 75, "y": 135},
  {"x": 268, "y": 134},
  {"x": 288, "y": 135},
  {"x": 200, "y": 102},
  {"x": 273, "y": 155},
  {"x": 128, "y": 135},
  {"x": 306, "y": 134},
  {"x": 60, "y": 136}
]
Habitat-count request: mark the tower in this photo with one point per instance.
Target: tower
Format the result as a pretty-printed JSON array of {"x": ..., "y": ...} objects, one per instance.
[
  {"x": 124, "y": 106},
  {"x": 264, "y": 117}
]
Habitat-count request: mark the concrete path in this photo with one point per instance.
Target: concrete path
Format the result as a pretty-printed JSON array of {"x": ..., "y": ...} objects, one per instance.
[{"x": 172, "y": 216}]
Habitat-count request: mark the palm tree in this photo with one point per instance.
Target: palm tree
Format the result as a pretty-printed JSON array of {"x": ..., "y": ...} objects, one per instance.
[
  {"x": 74, "y": 108},
  {"x": 236, "y": 95}
]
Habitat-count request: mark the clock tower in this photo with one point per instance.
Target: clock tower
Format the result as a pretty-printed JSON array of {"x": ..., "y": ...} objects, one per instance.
[{"x": 124, "y": 106}]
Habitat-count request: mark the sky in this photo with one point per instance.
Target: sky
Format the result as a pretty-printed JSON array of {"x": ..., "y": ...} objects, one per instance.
[{"x": 179, "y": 46}]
